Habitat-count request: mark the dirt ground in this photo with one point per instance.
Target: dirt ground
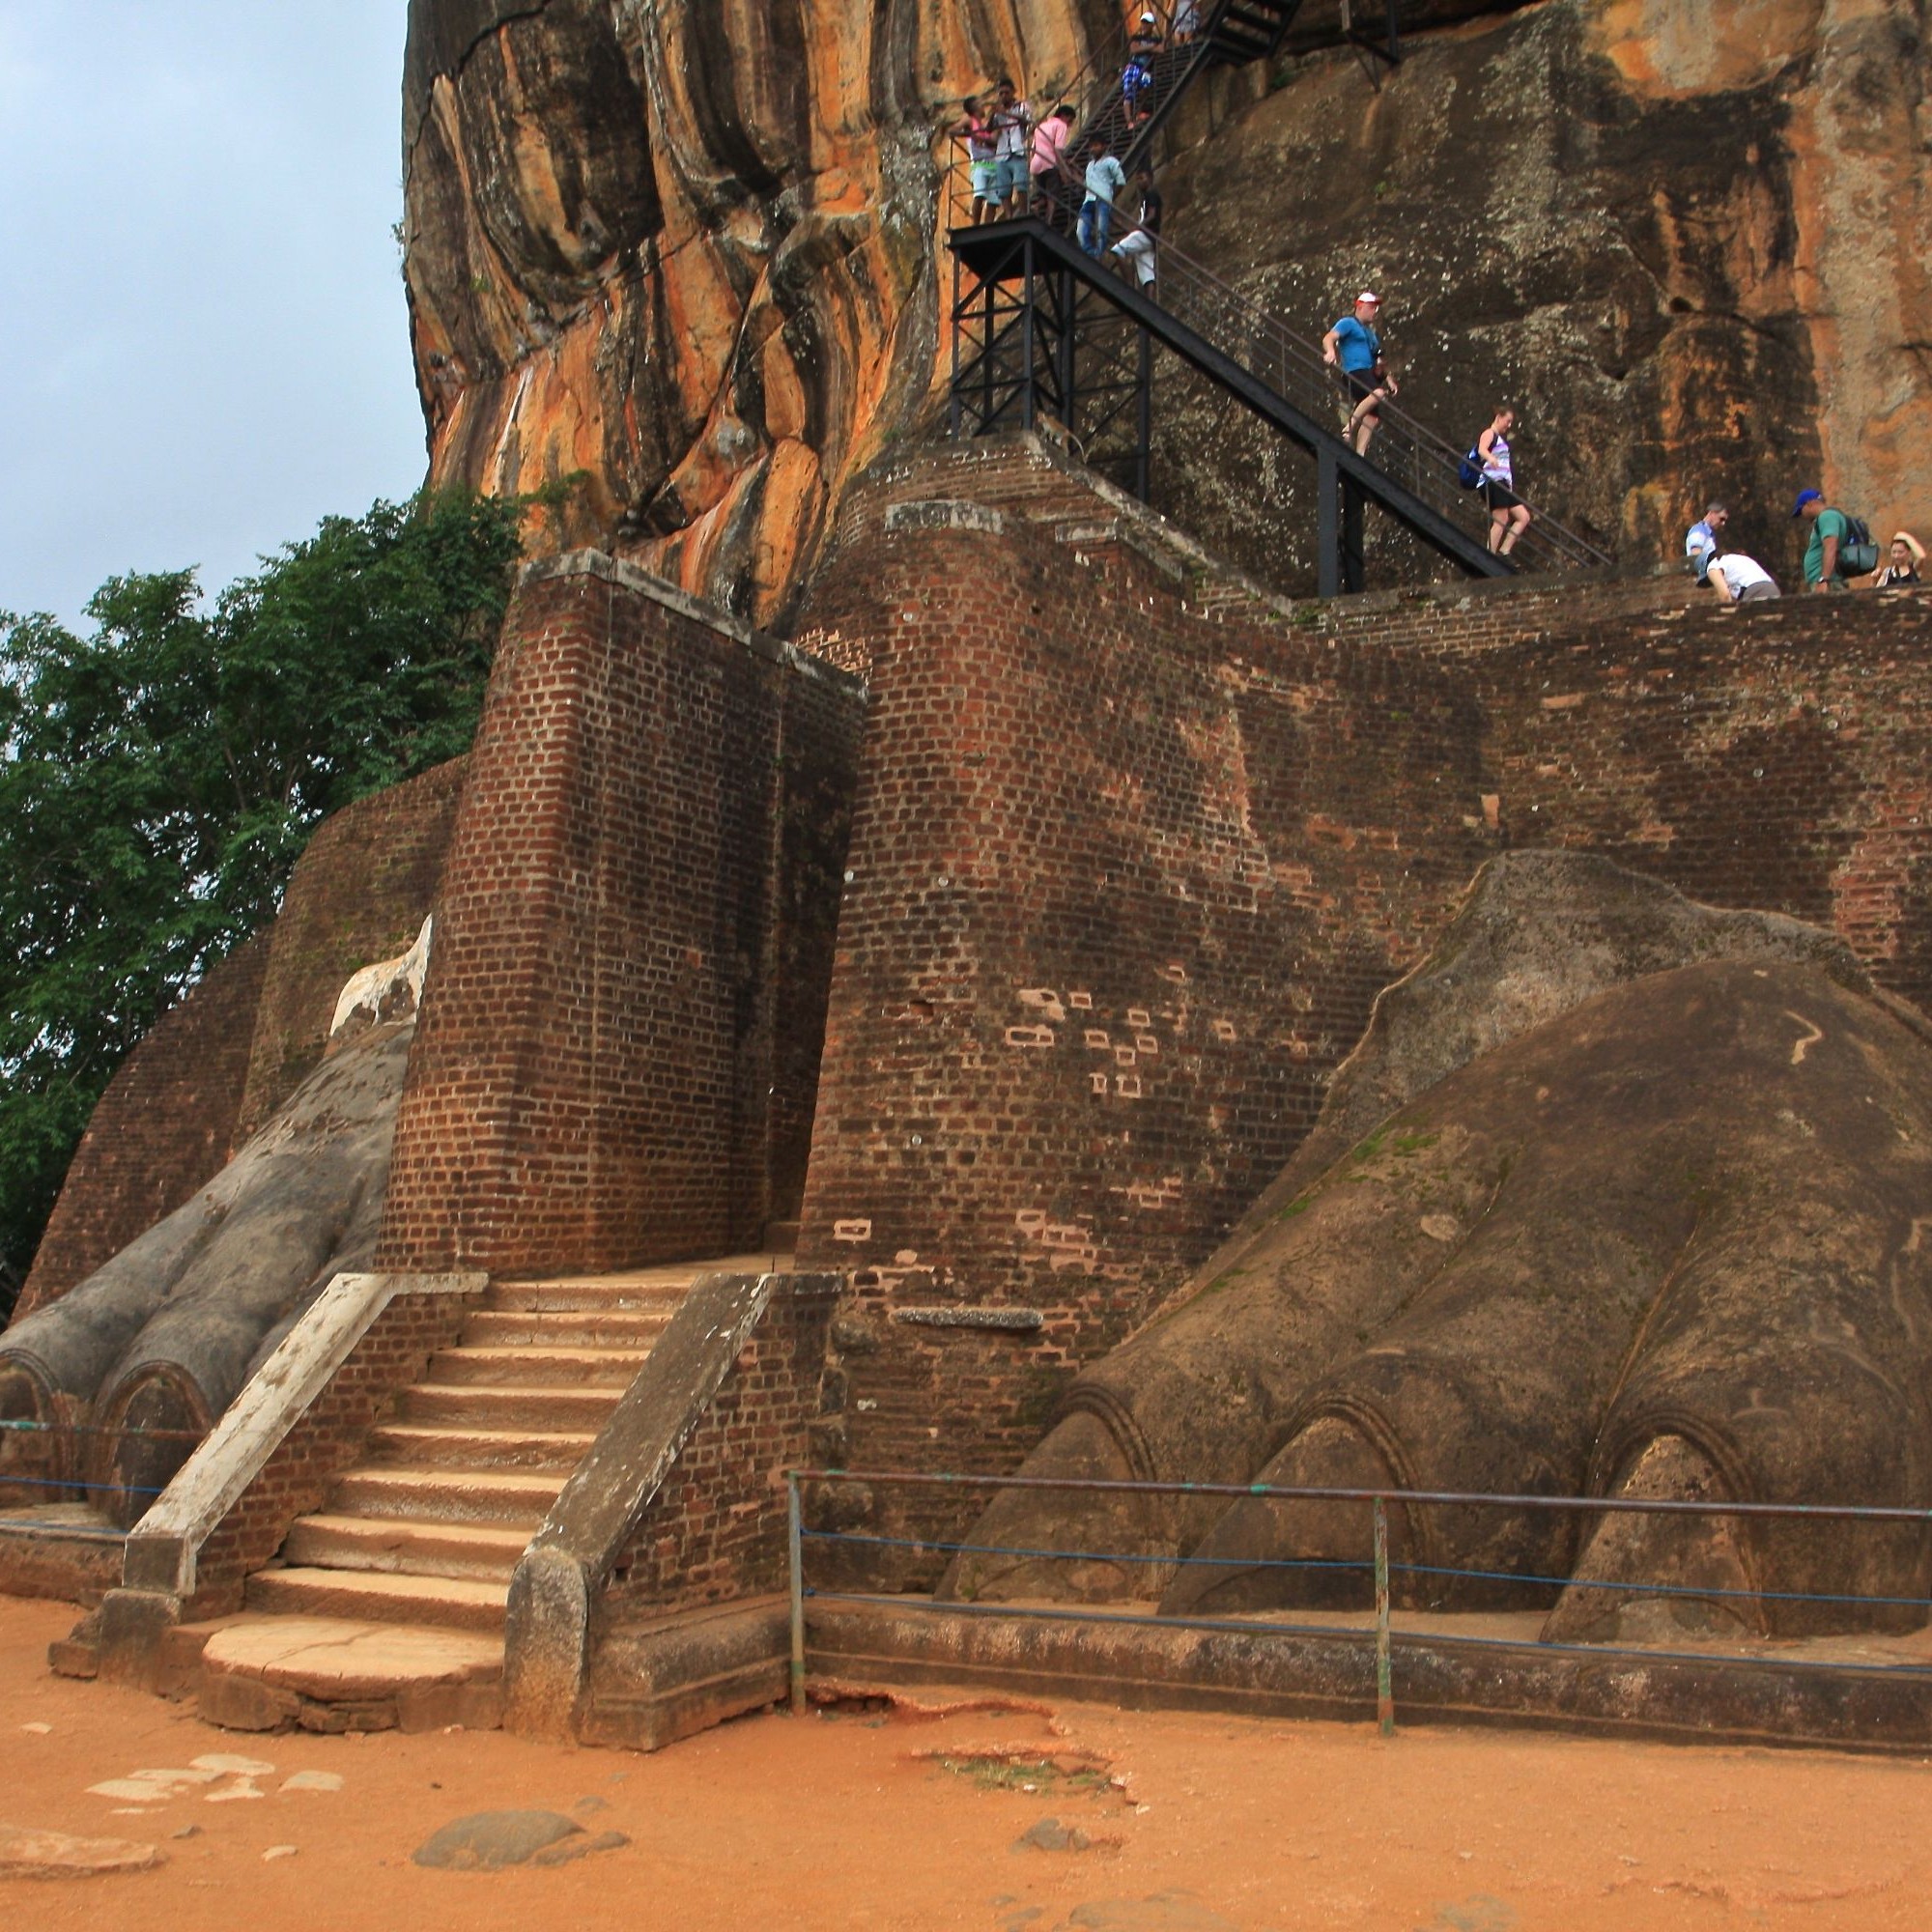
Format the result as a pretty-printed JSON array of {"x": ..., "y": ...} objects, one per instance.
[{"x": 856, "y": 1818}]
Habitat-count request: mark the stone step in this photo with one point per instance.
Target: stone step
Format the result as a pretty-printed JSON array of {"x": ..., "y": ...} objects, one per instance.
[
  {"x": 328, "y": 1675},
  {"x": 532, "y": 1450},
  {"x": 401, "y": 1546},
  {"x": 614, "y": 1295},
  {"x": 494, "y": 1409},
  {"x": 444, "y": 1603},
  {"x": 510, "y": 1498},
  {"x": 537, "y": 1366},
  {"x": 620, "y": 1331}
]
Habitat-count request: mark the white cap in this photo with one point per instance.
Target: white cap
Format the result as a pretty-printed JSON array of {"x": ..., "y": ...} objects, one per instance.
[{"x": 1367, "y": 296}]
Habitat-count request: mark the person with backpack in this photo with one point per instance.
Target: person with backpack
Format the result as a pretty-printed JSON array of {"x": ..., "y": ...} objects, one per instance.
[
  {"x": 1840, "y": 545},
  {"x": 1508, "y": 514}
]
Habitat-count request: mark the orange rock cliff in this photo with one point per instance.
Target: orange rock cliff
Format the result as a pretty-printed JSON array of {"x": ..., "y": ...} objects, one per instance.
[{"x": 694, "y": 253}]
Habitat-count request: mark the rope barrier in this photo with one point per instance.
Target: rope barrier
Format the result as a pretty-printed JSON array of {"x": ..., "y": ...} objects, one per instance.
[
  {"x": 28, "y": 1426},
  {"x": 923, "y": 1543},
  {"x": 1606, "y": 1505}
]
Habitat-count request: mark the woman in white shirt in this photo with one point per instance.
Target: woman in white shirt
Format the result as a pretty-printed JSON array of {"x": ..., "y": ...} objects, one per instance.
[{"x": 1508, "y": 514}]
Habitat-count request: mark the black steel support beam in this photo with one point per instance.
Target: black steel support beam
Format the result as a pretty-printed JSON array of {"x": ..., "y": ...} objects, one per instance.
[{"x": 1435, "y": 529}]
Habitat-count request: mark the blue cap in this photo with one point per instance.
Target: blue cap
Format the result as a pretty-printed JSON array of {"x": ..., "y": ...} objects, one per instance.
[{"x": 1806, "y": 496}]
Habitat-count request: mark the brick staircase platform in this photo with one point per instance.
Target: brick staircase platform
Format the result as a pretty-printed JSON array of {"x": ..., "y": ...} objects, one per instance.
[{"x": 385, "y": 1608}]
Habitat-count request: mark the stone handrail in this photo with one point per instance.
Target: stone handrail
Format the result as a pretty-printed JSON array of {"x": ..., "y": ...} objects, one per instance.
[
  {"x": 163, "y": 1548},
  {"x": 554, "y": 1593}
]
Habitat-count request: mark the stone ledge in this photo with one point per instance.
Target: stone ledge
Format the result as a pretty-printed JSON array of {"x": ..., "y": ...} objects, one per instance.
[
  {"x": 1002, "y": 1320},
  {"x": 614, "y": 571},
  {"x": 1330, "y": 1675}
]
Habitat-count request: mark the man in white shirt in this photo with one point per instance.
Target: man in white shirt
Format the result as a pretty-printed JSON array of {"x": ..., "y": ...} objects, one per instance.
[
  {"x": 1012, "y": 142},
  {"x": 1739, "y": 579}
]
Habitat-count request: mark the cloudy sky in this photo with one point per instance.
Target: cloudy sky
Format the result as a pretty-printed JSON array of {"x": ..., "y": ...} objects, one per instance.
[{"x": 204, "y": 345}]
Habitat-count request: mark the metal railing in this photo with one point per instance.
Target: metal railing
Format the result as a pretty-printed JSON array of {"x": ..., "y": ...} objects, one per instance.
[
  {"x": 1262, "y": 344},
  {"x": 1374, "y": 1566}
]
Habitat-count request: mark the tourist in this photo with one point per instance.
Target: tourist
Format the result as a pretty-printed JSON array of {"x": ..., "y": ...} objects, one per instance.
[
  {"x": 1106, "y": 179},
  {"x": 1012, "y": 137},
  {"x": 1186, "y": 20},
  {"x": 1906, "y": 554},
  {"x": 1508, "y": 514},
  {"x": 1701, "y": 545},
  {"x": 1354, "y": 350},
  {"x": 1739, "y": 579},
  {"x": 1137, "y": 76},
  {"x": 982, "y": 158},
  {"x": 1047, "y": 167},
  {"x": 1830, "y": 530},
  {"x": 1139, "y": 245}
]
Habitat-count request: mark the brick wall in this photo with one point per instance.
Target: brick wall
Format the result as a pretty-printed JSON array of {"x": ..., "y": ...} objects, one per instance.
[
  {"x": 359, "y": 893},
  {"x": 164, "y": 1126},
  {"x": 632, "y": 939},
  {"x": 717, "y": 1529},
  {"x": 326, "y": 1442},
  {"x": 1136, "y": 845}
]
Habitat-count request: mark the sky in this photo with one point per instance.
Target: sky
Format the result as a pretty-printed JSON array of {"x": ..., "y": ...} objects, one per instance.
[{"x": 204, "y": 343}]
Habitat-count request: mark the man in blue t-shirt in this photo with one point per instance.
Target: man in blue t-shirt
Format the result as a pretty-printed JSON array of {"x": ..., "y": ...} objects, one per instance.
[{"x": 1354, "y": 350}]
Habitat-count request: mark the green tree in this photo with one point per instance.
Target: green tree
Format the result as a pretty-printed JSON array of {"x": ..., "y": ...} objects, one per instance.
[{"x": 159, "y": 778}]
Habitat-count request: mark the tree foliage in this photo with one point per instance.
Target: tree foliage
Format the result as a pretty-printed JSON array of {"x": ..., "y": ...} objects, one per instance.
[{"x": 159, "y": 778}]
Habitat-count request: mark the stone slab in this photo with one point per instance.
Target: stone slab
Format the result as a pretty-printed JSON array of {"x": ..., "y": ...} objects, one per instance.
[
  {"x": 335, "y": 1660},
  {"x": 25, "y": 1853}
]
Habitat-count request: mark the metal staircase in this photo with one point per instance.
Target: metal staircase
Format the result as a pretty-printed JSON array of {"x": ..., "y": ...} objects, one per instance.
[{"x": 1041, "y": 332}]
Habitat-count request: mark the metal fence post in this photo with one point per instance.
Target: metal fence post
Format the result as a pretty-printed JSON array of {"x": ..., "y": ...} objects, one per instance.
[
  {"x": 796, "y": 1540},
  {"x": 1384, "y": 1682}
]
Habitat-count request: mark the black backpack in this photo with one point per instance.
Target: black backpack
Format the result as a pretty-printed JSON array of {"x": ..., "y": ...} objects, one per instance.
[{"x": 1858, "y": 555}]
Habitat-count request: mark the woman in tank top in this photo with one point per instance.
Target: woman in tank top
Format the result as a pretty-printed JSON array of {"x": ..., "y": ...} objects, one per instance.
[{"x": 1508, "y": 514}]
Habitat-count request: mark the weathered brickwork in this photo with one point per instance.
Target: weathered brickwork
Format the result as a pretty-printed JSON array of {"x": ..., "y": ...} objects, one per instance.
[
  {"x": 359, "y": 893},
  {"x": 632, "y": 939},
  {"x": 164, "y": 1127},
  {"x": 1136, "y": 846},
  {"x": 717, "y": 1528},
  {"x": 328, "y": 1441}
]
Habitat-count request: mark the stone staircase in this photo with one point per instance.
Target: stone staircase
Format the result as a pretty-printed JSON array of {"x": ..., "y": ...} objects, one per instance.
[{"x": 420, "y": 1538}]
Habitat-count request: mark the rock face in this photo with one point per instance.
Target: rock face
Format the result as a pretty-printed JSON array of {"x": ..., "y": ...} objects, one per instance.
[
  {"x": 693, "y": 252},
  {"x": 1664, "y": 1243},
  {"x": 1686, "y": 243},
  {"x": 687, "y": 250}
]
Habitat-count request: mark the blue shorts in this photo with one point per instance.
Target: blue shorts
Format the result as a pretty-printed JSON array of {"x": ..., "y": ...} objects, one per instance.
[{"x": 1010, "y": 177}]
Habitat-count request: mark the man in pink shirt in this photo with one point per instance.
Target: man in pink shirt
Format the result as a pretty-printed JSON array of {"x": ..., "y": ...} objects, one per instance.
[{"x": 1051, "y": 196}]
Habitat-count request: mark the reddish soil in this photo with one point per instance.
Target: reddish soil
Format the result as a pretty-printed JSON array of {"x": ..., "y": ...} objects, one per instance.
[{"x": 842, "y": 1820}]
